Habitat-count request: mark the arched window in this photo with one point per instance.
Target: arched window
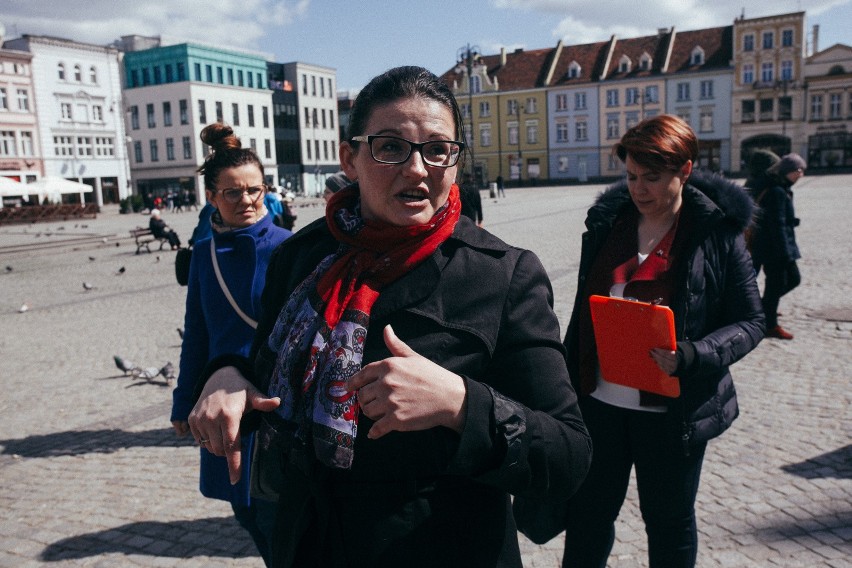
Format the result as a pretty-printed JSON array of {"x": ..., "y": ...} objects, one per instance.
[
  {"x": 60, "y": 71},
  {"x": 645, "y": 62},
  {"x": 624, "y": 64},
  {"x": 78, "y": 74},
  {"x": 697, "y": 56},
  {"x": 574, "y": 70},
  {"x": 93, "y": 75}
]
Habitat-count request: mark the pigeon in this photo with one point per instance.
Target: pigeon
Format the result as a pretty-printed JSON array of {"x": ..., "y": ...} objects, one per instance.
[
  {"x": 157, "y": 259},
  {"x": 104, "y": 240},
  {"x": 24, "y": 307},
  {"x": 120, "y": 271},
  {"x": 148, "y": 373},
  {"x": 118, "y": 244},
  {"x": 9, "y": 268},
  {"x": 124, "y": 365},
  {"x": 87, "y": 286},
  {"x": 180, "y": 332},
  {"x": 168, "y": 371},
  {"x": 92, "y": 258}
]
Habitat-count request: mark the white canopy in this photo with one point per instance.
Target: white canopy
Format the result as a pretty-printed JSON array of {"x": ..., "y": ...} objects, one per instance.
[
  {"x": 54, "y": 185},
  {"x": 8, "y": 186}
]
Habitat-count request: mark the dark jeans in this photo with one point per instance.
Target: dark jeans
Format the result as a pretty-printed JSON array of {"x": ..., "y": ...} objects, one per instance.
[
  {"x": 667, "y": 482},
  {"x": 259, "y": 520},
  {"x": 781, "y": 277}
]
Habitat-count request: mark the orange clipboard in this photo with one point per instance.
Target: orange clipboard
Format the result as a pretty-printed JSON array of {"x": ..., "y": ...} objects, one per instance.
[{"x": 625, "y": 333}]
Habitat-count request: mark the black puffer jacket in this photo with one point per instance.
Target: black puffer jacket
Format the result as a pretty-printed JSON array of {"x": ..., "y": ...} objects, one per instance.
[
  {"x": 716, "y": 302},
  {"x": 775, "y": 238}
]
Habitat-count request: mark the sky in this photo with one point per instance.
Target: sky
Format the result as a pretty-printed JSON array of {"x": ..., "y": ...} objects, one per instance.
[{"x": 362, "y": 38}]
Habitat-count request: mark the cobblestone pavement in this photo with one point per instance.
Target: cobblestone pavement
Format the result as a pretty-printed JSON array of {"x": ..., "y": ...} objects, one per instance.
[{"x": 91, "y": 474}]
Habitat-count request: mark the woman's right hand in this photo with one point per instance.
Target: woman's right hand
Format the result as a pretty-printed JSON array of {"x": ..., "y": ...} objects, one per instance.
[{"x": 215, "y": 419}]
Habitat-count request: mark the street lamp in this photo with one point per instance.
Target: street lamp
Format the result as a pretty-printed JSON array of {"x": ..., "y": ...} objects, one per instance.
[{"x": 465, "y": 56}]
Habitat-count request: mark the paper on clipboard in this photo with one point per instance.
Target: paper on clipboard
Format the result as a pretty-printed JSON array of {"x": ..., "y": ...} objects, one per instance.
[{"x": 625, "y": 333}]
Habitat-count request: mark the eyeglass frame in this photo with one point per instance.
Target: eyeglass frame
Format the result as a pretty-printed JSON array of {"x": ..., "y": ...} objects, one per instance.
[
  {"x": 368, "y": 139},
  {"x": 263, "y": 186}
]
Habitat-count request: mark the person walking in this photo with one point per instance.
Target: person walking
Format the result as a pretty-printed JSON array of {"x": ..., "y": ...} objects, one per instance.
[
  {"x": 226, "y": 278},
  {"x": 774, "y": 245},
  {"x": 403, "y": 400},
  {"x": 501, "y": 192},
  {"x": 471, "y": 200},
  {"x": 673, "y": 236}
]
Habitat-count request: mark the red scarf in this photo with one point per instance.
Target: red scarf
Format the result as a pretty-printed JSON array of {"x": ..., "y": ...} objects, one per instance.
[{"x": 378, "y": 252}]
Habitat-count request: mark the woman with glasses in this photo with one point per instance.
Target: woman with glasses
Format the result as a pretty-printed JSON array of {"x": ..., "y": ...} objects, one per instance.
[
  {"x": 407, "y": 373},
  {"x": 226, "y": 278}
]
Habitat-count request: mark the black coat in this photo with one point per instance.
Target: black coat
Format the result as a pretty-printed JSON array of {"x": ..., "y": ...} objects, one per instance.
[
  {"x": 483, "y": 310},
  {"x": 775, "y": 237},
  {"x": 716, "y": 301}
]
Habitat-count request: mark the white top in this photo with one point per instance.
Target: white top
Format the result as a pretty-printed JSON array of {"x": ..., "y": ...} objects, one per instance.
[{"x": 620, "y": 395}]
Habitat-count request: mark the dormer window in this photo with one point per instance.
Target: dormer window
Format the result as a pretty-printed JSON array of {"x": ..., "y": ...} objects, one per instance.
[
  {"x": 624, "y": 64},
  {"x": 574, "y": 70},
  {"x": 697, "y": 56},
  {"x": 645, "y": 62}
]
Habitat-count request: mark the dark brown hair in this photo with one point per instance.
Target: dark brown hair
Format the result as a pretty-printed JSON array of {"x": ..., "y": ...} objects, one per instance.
[
  {"x": 663, "y": 142},
  {"x": 226, "y": 152}
]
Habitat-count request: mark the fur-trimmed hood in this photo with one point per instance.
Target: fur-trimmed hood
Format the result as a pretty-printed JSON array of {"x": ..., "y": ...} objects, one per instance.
[{"x": 711, "y": 190}]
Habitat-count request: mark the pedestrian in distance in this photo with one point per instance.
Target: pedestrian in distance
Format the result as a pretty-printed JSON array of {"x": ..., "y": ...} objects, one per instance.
[
  {"x": 774, "y": 245},
  {"x": 334, "y": 183},
  {"x": 501, "y": 191},
  {"x": 404, "y": 401},
  {"x": 671, "y": 235},
  {"x": 471, "y": 200},
  {"x": 226, "y": 277}
]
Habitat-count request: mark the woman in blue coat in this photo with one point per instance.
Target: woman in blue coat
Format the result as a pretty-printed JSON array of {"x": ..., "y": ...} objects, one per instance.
[
  {"x": 673, "y": 236},
  {"x": 226, "y": 279}
]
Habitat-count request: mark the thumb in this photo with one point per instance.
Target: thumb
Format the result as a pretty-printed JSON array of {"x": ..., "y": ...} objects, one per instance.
[
  {"x": 396, "y": 346},
  {"x": 257, "y": 401}
]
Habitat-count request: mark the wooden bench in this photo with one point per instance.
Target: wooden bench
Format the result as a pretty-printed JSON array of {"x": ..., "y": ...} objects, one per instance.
[{"x": 144, "y": 238}]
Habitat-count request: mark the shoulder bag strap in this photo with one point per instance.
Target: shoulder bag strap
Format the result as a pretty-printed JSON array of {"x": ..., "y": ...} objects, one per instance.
[{"x": 225, "y": 290}]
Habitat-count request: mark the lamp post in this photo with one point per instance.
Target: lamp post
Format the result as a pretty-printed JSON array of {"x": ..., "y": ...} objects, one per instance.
[{"x": 465, "y": 56}]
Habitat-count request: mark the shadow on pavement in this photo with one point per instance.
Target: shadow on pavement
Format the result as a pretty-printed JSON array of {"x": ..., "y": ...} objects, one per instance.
[
  {"x": 105, "y": 441},
  {"x": 836, "y": 464},
  {"x": 835, "y": 523},
  {"x": 220, "y": 537}
]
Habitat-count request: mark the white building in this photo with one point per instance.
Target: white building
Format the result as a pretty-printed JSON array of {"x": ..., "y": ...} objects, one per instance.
[{"x": 77, "y": 95}]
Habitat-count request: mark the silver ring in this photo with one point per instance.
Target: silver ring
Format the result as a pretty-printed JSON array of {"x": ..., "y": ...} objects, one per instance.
[{"x": 202, "y": 441}]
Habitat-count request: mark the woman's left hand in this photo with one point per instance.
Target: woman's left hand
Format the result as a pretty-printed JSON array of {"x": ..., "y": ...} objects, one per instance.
[
  {"x": 665, "y": 359},
  {"x": 408, "y": 392}
]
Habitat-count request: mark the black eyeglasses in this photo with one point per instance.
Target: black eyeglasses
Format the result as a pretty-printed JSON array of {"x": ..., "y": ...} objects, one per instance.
[
  {"x": 235, "y": 195},
  {"x": 396, "y": 150}
]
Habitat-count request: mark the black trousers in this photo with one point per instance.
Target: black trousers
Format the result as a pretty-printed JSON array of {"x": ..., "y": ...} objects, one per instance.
[
  {"x": 666, "y": 479},
  {"x": 781, "y": 278}
]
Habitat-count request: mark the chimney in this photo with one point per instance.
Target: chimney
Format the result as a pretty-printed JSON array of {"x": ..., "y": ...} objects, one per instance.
[
  {"x": 815, "y": 40},
  {"x": 502, "y": 56}
]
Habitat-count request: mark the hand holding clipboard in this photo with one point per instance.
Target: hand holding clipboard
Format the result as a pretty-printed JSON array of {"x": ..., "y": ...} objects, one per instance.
[{"x": 625, "y": 333}]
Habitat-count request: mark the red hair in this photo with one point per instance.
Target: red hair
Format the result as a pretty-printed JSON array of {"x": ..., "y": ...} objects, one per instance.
[{"x": 663, "y": 142}]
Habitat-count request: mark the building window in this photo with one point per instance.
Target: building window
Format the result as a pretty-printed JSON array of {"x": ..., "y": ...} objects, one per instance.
[
  {"x": 624, "y": 65},
  {"x": 169, "y": 75},
  {"x": 697, "y": 57},
  {"x": 512, "y": 137},
  {"x": 157, "y": 76},
  {"x": 748, "y": 74},
  {"x": 484, "y": 109},
  {"x": 208, "y": 71},
  {"x": 612, "y": 130},
  {"x": 78, "y": 74},
  {"x": 767, "y": 112},
  {"x": 197, "y": 68},
  {"x": 167, "y": 113},
  {"x": 104, "y": 147},
  {"x": 220, "y": 76},
  {"x": 532, "y": 134},
  {"x": 202, "y": 112},
  {"x": 766, "y": 72},
  {"x": 240, "y": 81},
  {"x": 170, "y": 149},
  {"x": 562, "y": 131},
  {"x": 485, "y": 135},
  {"x": 267, "y": 148},
  {"x": 768, "y": 38},
  {"x": 467, "y": 130},
  {"x": 787, "y": 70},
  {"x": 137, "y": 151},
  {"x": 65, "y": 111},
  {"x": 264, "y": 112},
  {"x": 464, "y": 109},
  {"x": 581, "y": 130},
  {"x": 683, "y": 91},
  {"x": 93, "y": 75},
  {"x": 684, "y": 115},
  {"x": 150, "y": 113},
  {"x": 305, "y": 86},
  {"x": 23, "y": 100},
  {"x": 220, "y": 116},
  {"x": 62, "y": 146},
  {"x": 748, "y": 42},
  {"x": 785, "y": 108},
  {"x": 512, "y": 107},
  {"x": 27, "y": 147},
  {"x": 748, "y": 111},
  {"x": 631, "y": 119},
  {"x": 184, "y": 112},
  {"x": 476, "y": 84},
  {"x": 652, "y": 94},
  {"x": 84, "y": 146},
  {"x": 187, "y": 147},
  {"x": 574, "y": 70},
  {"x": 308, "y": 149},
  {"x": 787, "y": 38},
  {"x": 235, "y": 111},
  {"x": 562, "y": 102},
  {"x": 834, "y": 100},
  {"x": 331, "y": 96},
  {"x": 97, "y": 113},
  {"x": 816, "y": 107},
  {"x": 251, "y": 116},
  {"x": 313, "y": 85},
  {"x": 230, "y": 76},
  {"x": 531, "y": 106},
  {"x": 4, "y": 100},
  {"x": 181, "y": 71},
  {"x": 134, "y": 117},
  {"x": 155, "y": 156},
  {"x": 707, "y": 89},
  {"x": 612, "y": 98},
  {"x": 7, "y": 143},
  {"x": 705, "y": 120},
  {"x": 60, "y": 71},
  {"x": 322, "y": 112},
  {"x": 579, "y": 101}
]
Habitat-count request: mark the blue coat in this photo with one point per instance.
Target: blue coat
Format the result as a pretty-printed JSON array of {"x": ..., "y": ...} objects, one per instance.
[{"x": 212, "y": 328}]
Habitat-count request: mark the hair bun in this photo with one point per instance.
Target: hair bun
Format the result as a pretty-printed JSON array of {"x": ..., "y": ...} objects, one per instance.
[{"x": 220, "y": 137}]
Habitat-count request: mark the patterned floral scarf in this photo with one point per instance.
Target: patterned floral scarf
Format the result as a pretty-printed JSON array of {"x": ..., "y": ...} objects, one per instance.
[{"x": 320, "y": 333}]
